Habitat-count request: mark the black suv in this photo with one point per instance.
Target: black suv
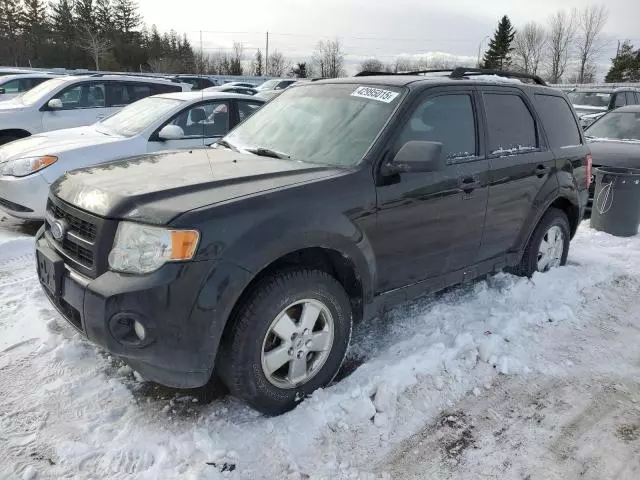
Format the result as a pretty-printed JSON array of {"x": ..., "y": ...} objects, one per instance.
[{"x": 338, "y": 199}]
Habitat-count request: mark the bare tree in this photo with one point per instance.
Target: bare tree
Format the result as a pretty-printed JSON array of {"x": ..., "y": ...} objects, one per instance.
[
  {"x": 529, "y": 45},
  {"x": 94, "y": 44},
  {"x": 403, "y": 64},
  {"x": 562, "y": 29},
  {"x": 591, "y": 21},
  {"x": 237, "y": 56},
  {"x": 278, "y": 64},
  {"x": 329, "y": 59},
  {"x": 372, "y": 65}
]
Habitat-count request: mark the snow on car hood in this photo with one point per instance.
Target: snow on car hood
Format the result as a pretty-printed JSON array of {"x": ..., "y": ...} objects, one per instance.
[{"x": 56, "y": 143}]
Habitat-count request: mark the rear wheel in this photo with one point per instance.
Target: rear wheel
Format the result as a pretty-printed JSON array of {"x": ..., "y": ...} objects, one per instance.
[
  {"x": 288, "y": 339},
  {"x": 548, "y": 247}
]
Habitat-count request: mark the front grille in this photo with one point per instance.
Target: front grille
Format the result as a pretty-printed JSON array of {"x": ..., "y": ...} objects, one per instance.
[
  {"x": 82, "y": 228},
  {"x": 68, "y": 312},
  {"x": 87, "y": 238}
]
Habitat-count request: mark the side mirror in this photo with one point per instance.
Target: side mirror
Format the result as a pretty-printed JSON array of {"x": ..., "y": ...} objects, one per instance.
[
  {"x": 417, "y": 156},
  {"x": 171, "y": 132},
  {"x": 55, "y": 104}
]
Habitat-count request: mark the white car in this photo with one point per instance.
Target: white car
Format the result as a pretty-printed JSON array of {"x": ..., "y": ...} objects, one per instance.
[
  {"x": 13, "y": 85},
  {"x": 162, "y": 122},
  {"x": 75, "y": 101}
]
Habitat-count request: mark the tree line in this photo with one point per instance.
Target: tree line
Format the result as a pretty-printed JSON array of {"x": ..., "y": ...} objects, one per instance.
[{"x": 95, "y": 34}]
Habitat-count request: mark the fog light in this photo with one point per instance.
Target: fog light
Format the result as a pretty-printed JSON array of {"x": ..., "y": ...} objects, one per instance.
[{"x": 140, "y": 330}]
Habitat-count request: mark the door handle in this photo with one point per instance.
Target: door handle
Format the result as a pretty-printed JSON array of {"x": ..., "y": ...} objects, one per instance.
[
  {"x": 541, "y": 171},
  {"x": 469, "y": 184}
]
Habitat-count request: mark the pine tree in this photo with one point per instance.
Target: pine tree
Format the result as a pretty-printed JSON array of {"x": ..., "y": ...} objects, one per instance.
[
  {"x": 103, "y": 16},
  {"x": 10, "y": 35},
  {"x": 35, "y": 25},
  {"x": 84, "y": 15},
  {"x": 258, "y": 62},
  {"x": 125, "y": 16},
  {"x": 64, "y": 30},
  {"x": 625, "y": 65},
  {"x": 498, "y": 57}
]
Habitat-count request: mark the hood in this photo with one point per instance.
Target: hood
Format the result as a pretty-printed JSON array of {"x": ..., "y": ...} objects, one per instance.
[
  {"x": 586, "y": 110},
  {"x": 156, "y": 188},
  {"x": 55, "y": 142},
  {"x": 612, "y": 153}
]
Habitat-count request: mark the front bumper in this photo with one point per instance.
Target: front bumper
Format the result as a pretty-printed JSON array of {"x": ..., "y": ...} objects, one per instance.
[
  {"x": 24, "y": 197},
  {"x": 183, "y": 320}
]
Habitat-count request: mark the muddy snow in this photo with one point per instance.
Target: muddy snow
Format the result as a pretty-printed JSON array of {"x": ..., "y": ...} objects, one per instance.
[{"x": 504, "y": 378}]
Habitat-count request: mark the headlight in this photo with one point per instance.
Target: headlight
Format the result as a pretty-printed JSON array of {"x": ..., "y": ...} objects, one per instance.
[
  {"x": 143, "y": 249},
  {"x": 26, "y": 166}
]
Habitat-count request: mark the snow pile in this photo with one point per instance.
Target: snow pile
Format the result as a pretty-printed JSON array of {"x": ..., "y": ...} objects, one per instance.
[{"x": 67, "y": 409}]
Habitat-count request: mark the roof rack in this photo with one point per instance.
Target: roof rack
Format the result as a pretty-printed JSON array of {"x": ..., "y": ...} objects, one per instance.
[{"x": 463, "y": 72}]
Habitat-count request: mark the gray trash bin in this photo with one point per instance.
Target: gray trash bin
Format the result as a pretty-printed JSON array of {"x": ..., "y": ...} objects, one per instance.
[{"x": 616, "y": 201}]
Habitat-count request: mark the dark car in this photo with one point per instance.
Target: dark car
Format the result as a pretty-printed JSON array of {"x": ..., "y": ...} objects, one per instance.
[
  {"x": 614, "y": 141},
  {"x": 232, "y": 89},
  {"x": 331, "y": 203},
  {"x": 591, "y": 103},
  {"x": 197, "y": 82}
]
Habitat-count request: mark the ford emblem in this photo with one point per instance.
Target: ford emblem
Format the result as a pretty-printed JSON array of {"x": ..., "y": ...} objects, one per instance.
[{"x": 58, "y": 230}]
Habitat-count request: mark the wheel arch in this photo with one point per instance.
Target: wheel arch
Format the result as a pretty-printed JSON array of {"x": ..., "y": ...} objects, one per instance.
[{"x": 13, "y": 132}]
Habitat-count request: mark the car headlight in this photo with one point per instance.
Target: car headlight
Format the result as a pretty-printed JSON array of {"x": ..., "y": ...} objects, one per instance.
[
  {"x": 143, "y": 249},
  {"x": 22, "y": 167}
]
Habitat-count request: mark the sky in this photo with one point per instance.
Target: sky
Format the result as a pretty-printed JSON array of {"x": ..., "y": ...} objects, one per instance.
[{"x": 369, "y": 28}]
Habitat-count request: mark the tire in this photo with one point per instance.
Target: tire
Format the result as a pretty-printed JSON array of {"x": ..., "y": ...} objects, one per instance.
[
  {"x": 552, "y": 219},
  {"x": 243, "y": 362}
]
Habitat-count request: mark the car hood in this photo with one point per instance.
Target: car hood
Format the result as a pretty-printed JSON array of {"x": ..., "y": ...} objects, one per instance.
[
  {"x": 588, "y": 110},
  {"x": 56, "y": 142},
  {"x": 156, "y": 188},
  {"x": 612, "y": 153}
]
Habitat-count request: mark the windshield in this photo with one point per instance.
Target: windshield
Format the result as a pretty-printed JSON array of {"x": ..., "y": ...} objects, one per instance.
[
  {"x": 616, "y": 126},
  {"x": 36, "y": 93},
  {"x": 269, "y": 85},
  {"x": 333, "y": 124},
  {"x": 136, "y": 117},
  {"x": 597, "y": 100}
]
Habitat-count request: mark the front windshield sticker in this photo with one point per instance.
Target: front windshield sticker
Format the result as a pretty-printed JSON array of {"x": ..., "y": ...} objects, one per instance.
[{"x": 386, "y": 96}]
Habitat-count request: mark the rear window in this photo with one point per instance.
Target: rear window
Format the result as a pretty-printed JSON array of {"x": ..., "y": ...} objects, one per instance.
[
  {"x": 158, "y": 88},
  {"x": 558, "y": 121},
  {"x": 511, "y": 126}
]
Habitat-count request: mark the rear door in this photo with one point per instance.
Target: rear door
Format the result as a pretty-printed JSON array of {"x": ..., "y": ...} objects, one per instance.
[
  {"x": 520, "y": 163},
  {"x": 82, "y": 104}
]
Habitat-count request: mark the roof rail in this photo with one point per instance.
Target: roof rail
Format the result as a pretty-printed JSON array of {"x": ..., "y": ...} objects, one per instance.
[{"x": 462, "y": 72}]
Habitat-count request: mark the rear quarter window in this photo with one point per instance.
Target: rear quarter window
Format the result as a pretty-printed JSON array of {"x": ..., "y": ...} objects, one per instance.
[
  {"x": 512, "y": 128},
  {"x": 558, "y": 121}
]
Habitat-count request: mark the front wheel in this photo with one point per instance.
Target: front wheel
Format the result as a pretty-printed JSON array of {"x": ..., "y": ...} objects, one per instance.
[
  {"x": 548, "y": 247},
  {"x": 288, "y": 339}
]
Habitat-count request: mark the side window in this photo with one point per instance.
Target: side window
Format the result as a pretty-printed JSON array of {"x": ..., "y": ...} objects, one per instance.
[
  {"x": 35, "y": 82},
  {"x": 620, "y": 100},
  {"x": 204, "y": 120},
  {"x": 85, "y": 95},
  {"x": 139, "y": 91},
  {"x": 448, "y": 119},
  {"x": 510, "y": 124},
  {"x": 558, "y": 121},
  {"x": 158, "y": 88},
  {"x": 246, "y": 109},
  {"x": 12, "y": 87},
  {"x": 119, "y": 94},
  {"x": 631, "y": 100}
]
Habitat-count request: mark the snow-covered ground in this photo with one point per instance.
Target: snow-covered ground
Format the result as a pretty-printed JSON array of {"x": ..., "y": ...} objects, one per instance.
[{"x": 505, "y": 378}]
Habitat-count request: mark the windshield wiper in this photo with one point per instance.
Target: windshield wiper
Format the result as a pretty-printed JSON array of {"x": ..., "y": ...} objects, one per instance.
[
  {"x": 267, "y": 152},
  {"x": 226, "y": 144}
]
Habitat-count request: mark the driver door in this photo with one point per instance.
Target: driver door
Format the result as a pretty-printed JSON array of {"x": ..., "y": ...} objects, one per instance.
[
  {"x": 202, "y": 124},
  {"x": 82, "y": 104}
]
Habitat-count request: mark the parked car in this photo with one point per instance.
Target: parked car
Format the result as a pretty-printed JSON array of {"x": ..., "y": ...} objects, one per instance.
[
  {"x": 233, "y": 89},
  {"x": 614, "y": 141},
  {"x": 15, "y": 71},
  {"x": 276, "y": 84},
  {"x": 334, "y": 201},
  {"x": 74, "y": 101},
  {"x": 164, "y": 122},
  {"x": 13, "y": 85},
  {"x": 592, "y": 103},
  {"x": 197, "y": 82},
  {"x": 239, "y": 84}
]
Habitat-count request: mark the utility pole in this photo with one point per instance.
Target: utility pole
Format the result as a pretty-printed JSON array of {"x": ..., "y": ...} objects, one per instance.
[
  {"x": 618, "y": 49},
  {"x": 201, "y": 66},
  {"x": 266, "y": 58}
]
